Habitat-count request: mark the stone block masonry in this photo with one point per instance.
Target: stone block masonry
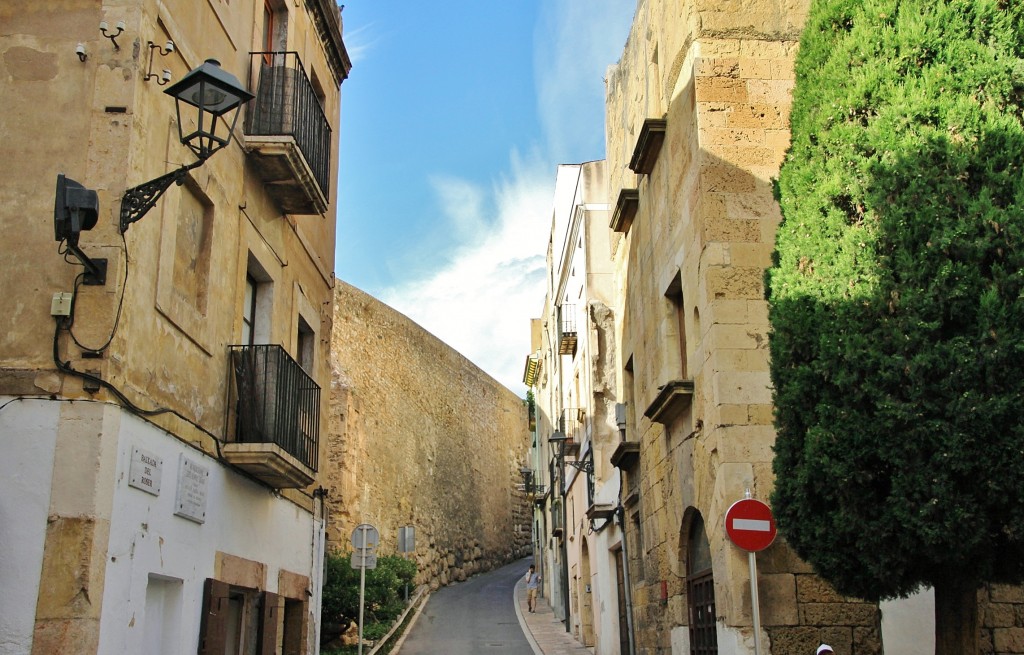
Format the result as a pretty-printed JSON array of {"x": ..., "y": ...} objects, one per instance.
[{"x": 421, "y": 436}]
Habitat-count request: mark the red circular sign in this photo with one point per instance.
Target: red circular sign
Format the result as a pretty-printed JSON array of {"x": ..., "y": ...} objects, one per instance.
[{"x": 750, "y": 525}]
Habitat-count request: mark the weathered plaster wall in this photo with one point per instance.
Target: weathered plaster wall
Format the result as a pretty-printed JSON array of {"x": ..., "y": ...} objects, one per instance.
[{"x": 420, "y": 436}]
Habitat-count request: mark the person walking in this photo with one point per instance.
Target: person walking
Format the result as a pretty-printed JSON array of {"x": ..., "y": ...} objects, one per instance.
[{"x": 532, "y": 587}]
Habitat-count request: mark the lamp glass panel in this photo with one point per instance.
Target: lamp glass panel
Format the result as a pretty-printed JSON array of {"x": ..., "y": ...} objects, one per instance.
[{"x": 209, "y": 96}]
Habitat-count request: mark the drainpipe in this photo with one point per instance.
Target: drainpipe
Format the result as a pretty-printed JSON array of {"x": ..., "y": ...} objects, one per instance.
[
  {"x": 565, "y": 550},
  {"x": 620, "y": 514}
]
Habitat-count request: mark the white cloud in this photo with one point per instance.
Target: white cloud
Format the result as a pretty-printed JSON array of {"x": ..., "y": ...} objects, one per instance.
[
  {"x": 576, "y": 41},
  {"x": 481, "y": 302},
  {"x": 359, "y": 42}
]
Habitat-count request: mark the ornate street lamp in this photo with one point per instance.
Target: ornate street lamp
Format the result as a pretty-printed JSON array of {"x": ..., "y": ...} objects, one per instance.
[
  {"x": 556, "y": 442},
  {"x": 205, "y": 98}
]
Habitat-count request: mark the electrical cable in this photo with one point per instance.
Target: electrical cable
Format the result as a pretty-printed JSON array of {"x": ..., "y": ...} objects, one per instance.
[
  {"x": 65, "y": 367},
  {"x": 120, "y": 305}
]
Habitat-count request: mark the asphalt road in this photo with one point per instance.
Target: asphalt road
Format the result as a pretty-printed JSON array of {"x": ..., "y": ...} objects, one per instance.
[{"x": 475, "y": 617}]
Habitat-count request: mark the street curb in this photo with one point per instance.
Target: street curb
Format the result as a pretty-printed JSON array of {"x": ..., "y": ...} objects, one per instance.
[
  {"x": 424, "y": 597},
  {"x": 516, "y": 593}
]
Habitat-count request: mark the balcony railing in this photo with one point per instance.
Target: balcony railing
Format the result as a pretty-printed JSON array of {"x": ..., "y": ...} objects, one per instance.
[
  {"x": 276, "y": 404},
  {"x": 573, "y": 424},
  {"x": 567, "y": 330},
  {"x": 285, "y": 126}
]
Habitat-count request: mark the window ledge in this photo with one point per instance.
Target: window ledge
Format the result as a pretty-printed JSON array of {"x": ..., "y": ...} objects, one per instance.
[
  {"x": 673, "y": 399},
  {"x": 625, "y": 454},
  {"x": 625, "y": 210},
  {"x": 648, "y": 146}
]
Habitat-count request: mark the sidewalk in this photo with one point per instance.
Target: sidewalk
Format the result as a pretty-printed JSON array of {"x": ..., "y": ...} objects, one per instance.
[{"x": 545, "y": 633}]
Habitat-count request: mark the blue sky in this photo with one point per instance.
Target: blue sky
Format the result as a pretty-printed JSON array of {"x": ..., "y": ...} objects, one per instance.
[{"x": 453, "y": 120}]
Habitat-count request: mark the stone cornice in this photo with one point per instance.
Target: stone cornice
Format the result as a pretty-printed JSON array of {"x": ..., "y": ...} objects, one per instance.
[{"x": 328, "y": 25}]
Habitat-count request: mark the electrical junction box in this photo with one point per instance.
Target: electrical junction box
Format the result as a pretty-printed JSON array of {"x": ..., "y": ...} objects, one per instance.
[{"x": 61, "y": 304}]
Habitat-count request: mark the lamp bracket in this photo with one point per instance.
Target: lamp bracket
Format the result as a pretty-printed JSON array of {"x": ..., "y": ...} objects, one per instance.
[
  {"x": 140, "y": 199},
  {"x": 586, "y": 465},
  {"x": 95, "y": 269},
  {"x": 120, "y": 28},
  {"x": 163, "y": 51}
]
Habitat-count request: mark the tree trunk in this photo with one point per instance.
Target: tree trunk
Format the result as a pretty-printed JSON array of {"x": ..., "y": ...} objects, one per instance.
[{"x": 956, "y": 618}]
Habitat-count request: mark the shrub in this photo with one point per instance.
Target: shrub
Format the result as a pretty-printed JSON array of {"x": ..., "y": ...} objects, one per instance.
[{"x": 383, "y": 595}]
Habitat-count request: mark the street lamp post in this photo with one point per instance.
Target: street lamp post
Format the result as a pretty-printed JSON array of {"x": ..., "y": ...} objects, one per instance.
[
  {"x": 204, "y": 100},
  {"x": 557, "y": 444}
]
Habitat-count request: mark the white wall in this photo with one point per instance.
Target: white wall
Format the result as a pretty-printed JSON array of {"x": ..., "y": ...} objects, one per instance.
[
  {"x": 148, "y": 541},
  {"x": 28, "y": 436},
  {"x": 606, "y": 593},
  {"x": 908, "y": 624}
]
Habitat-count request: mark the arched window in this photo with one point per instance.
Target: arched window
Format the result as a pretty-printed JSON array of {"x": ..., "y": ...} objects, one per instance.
[{"x": 700, "y": 591}]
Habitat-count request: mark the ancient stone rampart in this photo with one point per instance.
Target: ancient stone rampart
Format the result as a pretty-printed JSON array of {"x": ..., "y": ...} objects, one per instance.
[{"x": 419, "y": 436}]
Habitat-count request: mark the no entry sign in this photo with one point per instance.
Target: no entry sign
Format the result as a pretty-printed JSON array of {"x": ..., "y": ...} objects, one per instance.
[{"x": 750, "y": 525}]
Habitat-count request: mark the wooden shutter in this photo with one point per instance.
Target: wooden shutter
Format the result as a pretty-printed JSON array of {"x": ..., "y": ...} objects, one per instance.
[
  {"x": 270, "y": 613},
  {"x": 213, "y": 628},
  {"x": 296, "y": 623}
]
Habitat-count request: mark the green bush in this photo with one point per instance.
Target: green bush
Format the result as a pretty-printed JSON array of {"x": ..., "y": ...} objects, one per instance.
[
  {"x": 383, "y": 595},
  {"x": 897, "y": 298}
]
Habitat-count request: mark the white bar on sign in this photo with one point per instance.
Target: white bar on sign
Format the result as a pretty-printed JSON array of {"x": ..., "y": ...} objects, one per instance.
[{"x": 752, "y": 525}]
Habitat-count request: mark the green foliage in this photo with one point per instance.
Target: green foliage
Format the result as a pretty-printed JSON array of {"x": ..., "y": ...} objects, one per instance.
[
  {"x": 897, "y": 296},
  {"x": 384, "y": 591}
]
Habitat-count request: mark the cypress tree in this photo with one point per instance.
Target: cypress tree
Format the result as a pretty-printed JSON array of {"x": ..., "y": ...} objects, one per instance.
[{"x": 896, "y": 301}]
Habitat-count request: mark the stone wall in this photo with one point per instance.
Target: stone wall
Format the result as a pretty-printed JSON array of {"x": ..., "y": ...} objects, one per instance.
[
  {"x": 690, "y": 269},
  {"x": 1001, "y": 616},
  {"x": 420, "y": 436}
]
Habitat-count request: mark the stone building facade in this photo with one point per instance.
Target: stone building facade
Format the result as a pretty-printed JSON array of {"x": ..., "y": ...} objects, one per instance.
[
  {"x": 422, "y": 437},
  {"x": 697, "y": 124},
  {"x": 570, "y": 355},
  {"x": 696, "y": 128},
  {"x": 161, "y": 426}
]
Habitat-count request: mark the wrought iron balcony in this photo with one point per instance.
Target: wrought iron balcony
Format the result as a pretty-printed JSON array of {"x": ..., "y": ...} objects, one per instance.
[
  {"x": 288, "y": 134},
  {"x": 573, "y": 424},
  {"x": 532, "y": 489},
  {"x": 567, "y": 330},
  {"x": 276, "y": 417}
]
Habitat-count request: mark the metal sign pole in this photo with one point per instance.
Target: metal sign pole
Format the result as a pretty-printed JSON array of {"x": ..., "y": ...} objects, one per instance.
[
  {"x": 754, "y": 601},
  {"x": 362, "y": 590}
]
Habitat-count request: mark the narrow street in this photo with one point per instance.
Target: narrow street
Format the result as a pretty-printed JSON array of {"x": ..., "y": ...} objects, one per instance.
[{"x": 472, "y": 617}]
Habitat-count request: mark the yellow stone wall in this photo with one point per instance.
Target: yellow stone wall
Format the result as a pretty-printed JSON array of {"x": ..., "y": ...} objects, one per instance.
[
  {"x": 420, "y": 436},
  {"x": 182, "y": 281},
  {"x": 174, "y": 292},
  {"x": 721, "y": 75}
]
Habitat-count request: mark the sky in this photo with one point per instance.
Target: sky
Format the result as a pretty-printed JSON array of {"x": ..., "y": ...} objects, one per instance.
[{"x": 454, "y": 119}]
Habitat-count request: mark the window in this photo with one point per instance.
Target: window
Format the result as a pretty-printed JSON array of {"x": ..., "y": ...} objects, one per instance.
[
  {"x": 318, "y": 89},
  {"x": 237, "y": 620},
  {"x": 638, "y": 552},
  {"x": 674, "y": 293},
  {"x": 162, "y": 622},
  {"x": 305, "y": 346},
  {"x": 589, "y": 468},
  {"x": 294, "y": 627},
  {"x": 700, "y": 591},
  {"x": 256, "y": 304},
  {"x": 275, "y": 27},
  {"x": 249, "y": 311}
]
